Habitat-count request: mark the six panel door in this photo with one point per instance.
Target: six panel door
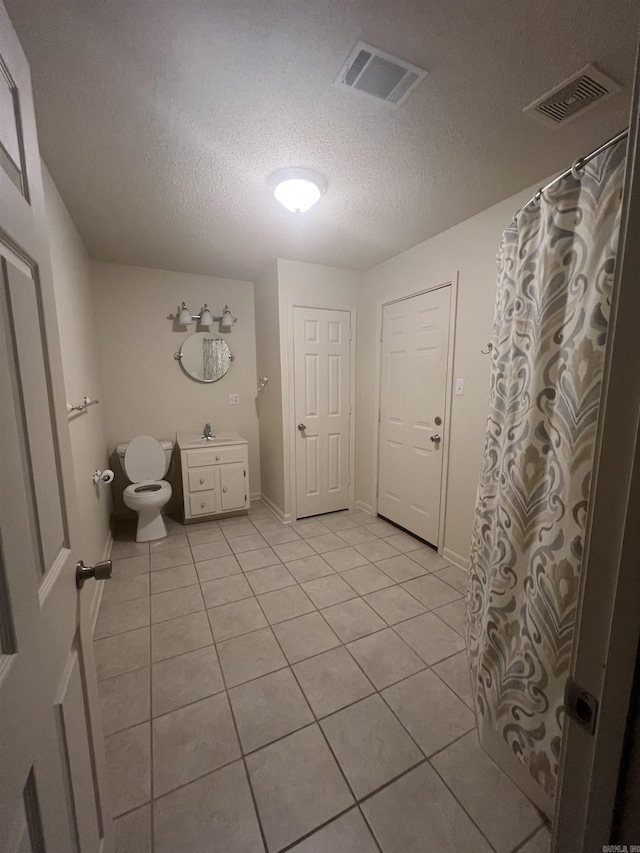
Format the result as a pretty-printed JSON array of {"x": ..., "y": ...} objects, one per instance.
[
  {"x": 322, "y": 390},
  {"x": 415, "y": 335},
  {"x": 51, "y": 749}
]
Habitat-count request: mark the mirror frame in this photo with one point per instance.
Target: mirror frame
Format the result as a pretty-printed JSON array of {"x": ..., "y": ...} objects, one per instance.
[{"x": 179, "y": 356}]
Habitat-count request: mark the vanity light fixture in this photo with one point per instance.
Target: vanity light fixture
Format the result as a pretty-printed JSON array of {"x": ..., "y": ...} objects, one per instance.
[
  {"x": 297, "y": 189},
  {"x": 204, "y": 318}
]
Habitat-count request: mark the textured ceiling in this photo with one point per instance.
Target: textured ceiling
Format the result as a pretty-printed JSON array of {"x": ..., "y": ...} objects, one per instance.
[{"x": 160, "y": 120}]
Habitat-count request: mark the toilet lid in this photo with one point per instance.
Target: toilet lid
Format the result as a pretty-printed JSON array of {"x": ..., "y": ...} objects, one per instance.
[{"x": 144, "y": 459}]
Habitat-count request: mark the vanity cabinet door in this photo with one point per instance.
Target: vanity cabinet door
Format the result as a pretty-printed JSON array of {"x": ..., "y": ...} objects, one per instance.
[{"x": 232, "y": 486}]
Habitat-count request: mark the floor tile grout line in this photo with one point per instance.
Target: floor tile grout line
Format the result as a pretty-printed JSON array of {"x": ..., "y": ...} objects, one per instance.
[
  {"x": 544, "y": 822},
  {"x": 317, "y": 719},
  {"x": 318, "y": 828},
  {"x": 316, "y": 722},
  {"x": 358, "y": 802},
  {"x": 237, "y": 731},
  {"x": 271, "y": 625},
  {"x": 151, "y": 759},
  {"x": 453, "y": 794},
  {"x": 318, "y": 610},
  {"x": 370, "y": 828},
  {"x": 290, "y": 666}
]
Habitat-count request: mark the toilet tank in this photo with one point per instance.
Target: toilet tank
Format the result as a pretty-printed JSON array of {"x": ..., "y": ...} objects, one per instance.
[{"x": 167, "y": 446}]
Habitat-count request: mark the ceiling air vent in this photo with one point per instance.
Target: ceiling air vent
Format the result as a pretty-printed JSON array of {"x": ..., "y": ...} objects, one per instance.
[
  {"x": 580, "y": 92},
  {"x": 378, "y": 75}
]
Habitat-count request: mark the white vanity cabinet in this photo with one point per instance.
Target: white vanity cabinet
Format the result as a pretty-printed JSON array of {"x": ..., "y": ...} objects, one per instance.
[{"x": 215, "y": 475}]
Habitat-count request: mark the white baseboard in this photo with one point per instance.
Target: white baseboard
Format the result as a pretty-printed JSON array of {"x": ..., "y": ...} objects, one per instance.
[
  {"x": 255, "y": 496},
  {"x": 456, "y": 559},
  {"x": 275, "y": 509},
  {"x": 365, "y": 507},
  {"x": 97, "y": 596}
]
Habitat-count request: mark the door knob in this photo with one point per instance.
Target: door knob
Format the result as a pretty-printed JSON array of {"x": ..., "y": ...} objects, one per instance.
[
  {"x": 302, "y": 427},
  {"x": 224, "y": 489},
  {"x": 101, "y": 571},
  {"x": 435, "y": 438}
]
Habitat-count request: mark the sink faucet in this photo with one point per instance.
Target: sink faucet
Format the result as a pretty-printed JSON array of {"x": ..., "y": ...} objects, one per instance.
[{"x": 207, "y": 435}]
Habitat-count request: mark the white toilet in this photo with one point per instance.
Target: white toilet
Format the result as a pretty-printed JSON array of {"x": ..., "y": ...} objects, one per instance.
[{"x": 145, "y": 461}]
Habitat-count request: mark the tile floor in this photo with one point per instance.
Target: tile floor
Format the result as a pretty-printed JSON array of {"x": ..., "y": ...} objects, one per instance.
[{"x": 302, "y": 687}]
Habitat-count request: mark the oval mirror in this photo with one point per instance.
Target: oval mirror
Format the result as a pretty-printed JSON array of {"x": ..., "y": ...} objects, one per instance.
[{"x": 204, "y": 358}]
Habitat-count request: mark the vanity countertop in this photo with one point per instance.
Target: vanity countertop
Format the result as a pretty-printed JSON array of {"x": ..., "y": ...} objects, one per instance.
[{"x": 194, "y": 440}]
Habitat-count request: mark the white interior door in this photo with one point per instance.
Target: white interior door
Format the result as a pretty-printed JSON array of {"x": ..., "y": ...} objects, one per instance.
[
  {"x": 415, "y": 337},
  {"x": 50, "y": 792},
  {"x": 322, "y": 392}
]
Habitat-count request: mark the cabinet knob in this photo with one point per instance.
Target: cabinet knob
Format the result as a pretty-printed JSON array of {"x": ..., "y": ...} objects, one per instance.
[
  {"x": 201, "y": 480},
  {"x": 217, "y": 458},
  {"x": 203, "y": 504},
  {"x": 224, "y": 488}
]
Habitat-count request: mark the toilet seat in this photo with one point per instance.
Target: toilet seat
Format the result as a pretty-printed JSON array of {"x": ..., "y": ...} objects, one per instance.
[{"x": 152, "y": 491}]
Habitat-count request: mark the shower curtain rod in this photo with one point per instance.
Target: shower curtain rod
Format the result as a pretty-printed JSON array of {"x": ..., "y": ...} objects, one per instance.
[{"x": 579, "y": 164}]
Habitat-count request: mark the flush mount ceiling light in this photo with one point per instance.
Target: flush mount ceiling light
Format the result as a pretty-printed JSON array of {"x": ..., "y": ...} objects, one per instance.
[{"x": 297, "y": 189}]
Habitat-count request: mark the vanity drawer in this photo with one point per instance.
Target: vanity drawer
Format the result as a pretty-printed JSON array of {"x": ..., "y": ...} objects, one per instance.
[
  {"x": 215, "y": 456},
  {"x": 202, "y": 479},
  {"x": 203, "y": 503}
]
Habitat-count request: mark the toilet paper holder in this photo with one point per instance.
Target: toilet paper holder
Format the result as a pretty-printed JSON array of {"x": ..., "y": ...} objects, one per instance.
[{"x": 105, "y": 476}]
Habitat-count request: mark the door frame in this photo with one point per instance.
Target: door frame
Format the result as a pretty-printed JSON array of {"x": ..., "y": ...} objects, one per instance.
[
  {"x": 448, "y": 398},
  {"x": 608, "y": 618},
  {"x": 289, "y": 404}
]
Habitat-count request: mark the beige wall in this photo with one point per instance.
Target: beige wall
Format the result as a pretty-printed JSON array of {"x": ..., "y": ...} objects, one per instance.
[
  {"x": 78, "y": 326},
  {"x": 314, "y": 286},
  {"x": 270, "y": 401},
  {"x": 144, "y": 387},
  {"x": 467, "y": 252}
]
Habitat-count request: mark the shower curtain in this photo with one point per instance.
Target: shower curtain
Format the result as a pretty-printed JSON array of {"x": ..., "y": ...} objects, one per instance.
[
  {"x": 210, "y": 359},
  {"x": 555, "y": 276}
]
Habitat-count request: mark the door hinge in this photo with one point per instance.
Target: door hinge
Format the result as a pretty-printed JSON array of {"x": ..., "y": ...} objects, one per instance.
[
  {"x": 245, "y": 472},
  {"x": 580, "y": 705},
  {"x": 350, "y": 335}
]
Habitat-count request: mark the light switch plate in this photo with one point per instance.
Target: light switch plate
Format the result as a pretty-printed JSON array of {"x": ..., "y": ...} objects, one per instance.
[
  {"x": 459, "y": 387},
  {"x": 234, "y": 399}
]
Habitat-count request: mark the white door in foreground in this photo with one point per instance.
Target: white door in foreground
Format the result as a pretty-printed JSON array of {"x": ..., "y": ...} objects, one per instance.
[
  {"x": 322, "y": 391},
  {"x": 415, "y": 334},
  {"x": 50, "y": 741}
]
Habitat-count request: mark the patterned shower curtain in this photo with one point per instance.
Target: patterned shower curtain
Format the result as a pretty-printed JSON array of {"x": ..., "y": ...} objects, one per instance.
[
  {"x": 555, "y": 276},
  {"x": 210, "y": 359}
]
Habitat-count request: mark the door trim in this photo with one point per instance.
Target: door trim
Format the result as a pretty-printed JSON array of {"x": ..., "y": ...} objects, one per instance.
[
  {"x": 381, "y": 304},
  {"x": 607, "y": 628},
  {"x": 289, "y": 402}
]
